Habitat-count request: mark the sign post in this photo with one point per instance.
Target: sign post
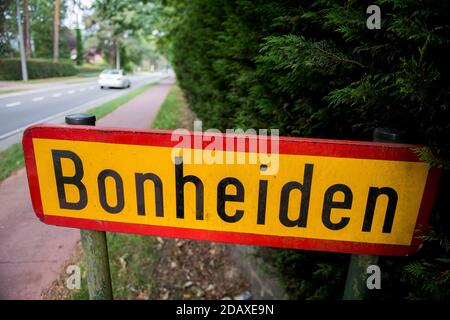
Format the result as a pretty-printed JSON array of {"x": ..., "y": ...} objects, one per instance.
[
  {"x": 94, "y": 244},
  {"x": 356, "y": 282}
]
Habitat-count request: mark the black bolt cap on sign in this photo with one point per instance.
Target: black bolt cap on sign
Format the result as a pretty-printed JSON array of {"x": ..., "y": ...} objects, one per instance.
[{"x": 81, "y": 119}]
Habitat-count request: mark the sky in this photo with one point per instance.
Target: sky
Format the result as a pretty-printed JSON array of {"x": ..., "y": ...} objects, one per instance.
[{"x": 71, "y": 19}]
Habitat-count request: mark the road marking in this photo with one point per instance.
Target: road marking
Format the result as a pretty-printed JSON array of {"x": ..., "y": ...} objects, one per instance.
[
  {"x": 91, "y": 88},
  {"x": 56, "y": 95},
  {"x": 78, "y": 108},
  {"x": 38, "y": 99},
  {"x": 71, "y": 91},
  {"x": 83, "y": 89},
  {"x": 12, "y": 104}
]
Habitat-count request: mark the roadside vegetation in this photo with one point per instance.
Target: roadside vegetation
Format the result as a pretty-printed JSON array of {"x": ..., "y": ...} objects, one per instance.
[
  {"x": 42, "y": 69},
  {"x": 132, "y": 259},
  {"x": 313, "y": 69},
  {"x": 11, "y": 159},
  {"x": 67, "y": 38},
  {"x": 174, "y": 112}
]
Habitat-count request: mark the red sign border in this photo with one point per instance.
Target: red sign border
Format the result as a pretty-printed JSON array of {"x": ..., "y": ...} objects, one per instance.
[{"x": 287, "y": 145}]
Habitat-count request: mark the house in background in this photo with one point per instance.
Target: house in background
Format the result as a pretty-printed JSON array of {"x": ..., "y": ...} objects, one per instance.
[{"x": 94, "y": 56}]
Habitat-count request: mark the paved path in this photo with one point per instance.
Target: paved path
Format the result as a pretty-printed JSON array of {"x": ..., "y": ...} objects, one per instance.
[{"x": 32, "y": 253}]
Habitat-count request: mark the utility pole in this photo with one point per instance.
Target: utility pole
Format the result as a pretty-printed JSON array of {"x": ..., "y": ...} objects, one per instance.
[
  {"x": 23, "y": 62},
  {"x": 56, "y": 32}
]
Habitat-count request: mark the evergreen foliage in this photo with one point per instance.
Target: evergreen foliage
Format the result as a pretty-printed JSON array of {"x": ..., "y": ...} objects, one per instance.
[
  {"x": 80, "y": 52},
  {"x": 37, "y": 69},
  {"x": 313, "y": 69},
  {"x": 41, "y": 14}
]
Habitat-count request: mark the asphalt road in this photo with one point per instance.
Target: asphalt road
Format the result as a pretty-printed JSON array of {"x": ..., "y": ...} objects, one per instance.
[{"x": 52, "y": 101}]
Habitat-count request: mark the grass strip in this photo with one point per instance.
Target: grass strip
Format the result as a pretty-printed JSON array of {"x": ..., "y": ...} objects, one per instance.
[
  {"x": 11, "y": 159},
  {"x": 170, "y": 113},
  {"x": 13, "y": 90}
]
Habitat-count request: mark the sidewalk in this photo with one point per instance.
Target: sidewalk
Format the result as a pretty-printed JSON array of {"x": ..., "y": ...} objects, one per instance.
[{"x": 31, "y": 253}]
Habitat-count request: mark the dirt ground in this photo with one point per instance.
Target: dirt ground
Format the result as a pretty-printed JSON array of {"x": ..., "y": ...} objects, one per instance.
[
  {"x": 197, "y": 270},
  {"x": 185, "y": 270}
]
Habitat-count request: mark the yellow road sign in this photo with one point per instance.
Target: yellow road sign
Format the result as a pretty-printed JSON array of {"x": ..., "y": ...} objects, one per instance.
[{"x": 359, "y": 197}]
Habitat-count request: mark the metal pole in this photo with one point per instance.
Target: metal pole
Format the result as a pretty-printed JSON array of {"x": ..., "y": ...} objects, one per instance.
[
  {"x": 356, "y": 283},
  {"x": 23, "y": 62},
  {"x": 95, "y": 248}
]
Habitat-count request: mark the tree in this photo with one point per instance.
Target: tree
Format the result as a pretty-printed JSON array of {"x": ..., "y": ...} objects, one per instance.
[
  {"x": 121, "y": 27},
  {"x": 79, "y": 47},
  {"x": 8, "y": 26},
  {"x": 42, "y": 29},
  {"x": 26, "y": 29}
]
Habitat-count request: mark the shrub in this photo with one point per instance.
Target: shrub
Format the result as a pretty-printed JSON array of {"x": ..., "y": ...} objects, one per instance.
[
  {"x": 313, "y": 69},
  {"x": 10, "y": 69}
]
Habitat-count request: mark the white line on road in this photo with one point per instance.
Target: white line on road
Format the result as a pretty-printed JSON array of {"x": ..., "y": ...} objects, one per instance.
[
  {"x": 89, "y": 104},
  {"x": 71, "y": 91},
  {"x": 12, "y": 104},
  {"x": 56, "y": 95},
  {"x": 91, "y": 88},
  {"x": 38, "y": 99},
  {"x": 83, "y": 89}
]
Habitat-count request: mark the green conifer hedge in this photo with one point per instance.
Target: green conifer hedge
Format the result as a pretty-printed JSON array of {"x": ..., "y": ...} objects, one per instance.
[
  {"x": 37, "y": 69},
  {"x": 312, "y": 68}
]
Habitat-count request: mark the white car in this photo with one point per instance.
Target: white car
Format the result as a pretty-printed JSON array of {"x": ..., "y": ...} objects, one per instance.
[{"x": 114, "y": 78}]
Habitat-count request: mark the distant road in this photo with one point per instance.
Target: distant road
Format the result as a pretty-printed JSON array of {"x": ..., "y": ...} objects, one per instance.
[{"x": 49, "y": 102}]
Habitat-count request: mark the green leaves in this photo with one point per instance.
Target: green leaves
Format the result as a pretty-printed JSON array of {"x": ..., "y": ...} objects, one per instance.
[
  {"x": 430, "y": 277},
  {"x": 426, "y": 154},
  {"x": 312, "y": 68}
]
